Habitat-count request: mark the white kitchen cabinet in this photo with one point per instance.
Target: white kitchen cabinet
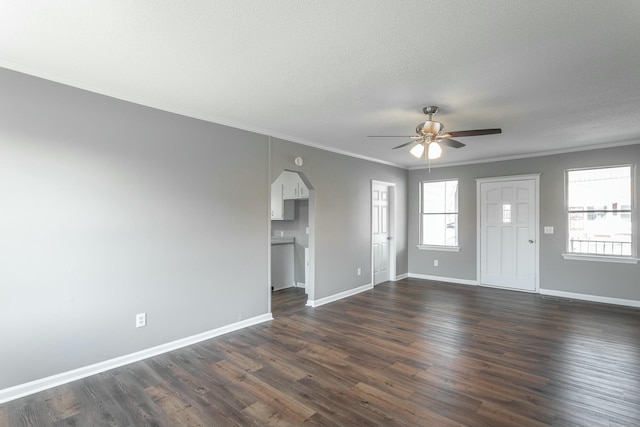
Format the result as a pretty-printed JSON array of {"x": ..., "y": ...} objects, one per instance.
[
  {"x": 280, "y": 209},
  {"x": 303, "y": 191},
  {"x": 293, "y": 186},
  {"x": 284, "y": 190},
  {"x": 289, "y": 185},
  {"x": 277, "y": 205}
]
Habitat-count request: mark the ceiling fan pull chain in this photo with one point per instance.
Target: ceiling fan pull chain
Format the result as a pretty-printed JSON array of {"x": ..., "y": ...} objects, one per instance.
[{"x": 427, "y": 161}]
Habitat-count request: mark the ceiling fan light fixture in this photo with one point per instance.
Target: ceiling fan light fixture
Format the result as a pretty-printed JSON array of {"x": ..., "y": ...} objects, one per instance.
[
  {"x": 435, "y": 151},
  {"x": 417, "y": 150}
]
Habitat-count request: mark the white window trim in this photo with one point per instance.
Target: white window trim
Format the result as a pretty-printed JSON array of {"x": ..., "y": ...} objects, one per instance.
[
  {"x": 601, "y": 258},
  {"x": 439, "y": 248},
  {"x": 443, "y": 248},
  {"x": 634, "y": 226}
]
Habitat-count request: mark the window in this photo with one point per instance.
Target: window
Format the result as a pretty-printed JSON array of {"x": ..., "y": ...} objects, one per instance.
[
  {"x": 599, "y": 212},
  {"x": 439, "y": 215}
]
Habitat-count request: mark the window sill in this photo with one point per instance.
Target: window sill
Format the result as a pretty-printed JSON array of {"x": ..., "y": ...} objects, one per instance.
[
  {"x": 439, "y": 248},
  {"x": 601, "y": 258}
]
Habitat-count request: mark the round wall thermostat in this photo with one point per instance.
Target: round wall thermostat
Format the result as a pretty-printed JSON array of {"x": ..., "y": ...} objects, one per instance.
[{"x": 298, "y": 161}]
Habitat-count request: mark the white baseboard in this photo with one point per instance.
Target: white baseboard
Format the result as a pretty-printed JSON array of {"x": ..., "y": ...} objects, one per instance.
[
  {"x": 550, "y": 292},
  {"x": 279, "y": 288},
  {"x": 301, "y": 285},
  {"x": 592, "y": 298},
  {"x": 444, "y": 279},
  {"x": 402, "y": 276},
  {"x": 36, "y": 386},
  {"x": 338, "y": 296}
]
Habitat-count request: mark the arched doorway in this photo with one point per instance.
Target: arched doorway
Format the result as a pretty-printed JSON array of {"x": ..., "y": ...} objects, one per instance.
[{"x": 292, "y": 267}]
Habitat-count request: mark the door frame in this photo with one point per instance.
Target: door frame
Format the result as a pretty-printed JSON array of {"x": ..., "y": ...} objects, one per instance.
[
  {"x": 310, "y": 281},
  {"x": 392, "y": 228},
  {"x": 479, "y": 181}
]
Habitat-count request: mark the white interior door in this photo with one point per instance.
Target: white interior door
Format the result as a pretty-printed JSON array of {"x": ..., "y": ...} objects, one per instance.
[
  {"x": 508, "y": 234},
  {"x": 380, "y": 233}
]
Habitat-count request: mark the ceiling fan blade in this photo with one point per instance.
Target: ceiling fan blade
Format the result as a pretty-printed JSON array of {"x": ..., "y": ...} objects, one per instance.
[
  {"x": 451, "y": 143},
  {"x": 476, "y": 132},
  {"x": 394, "y": 136},
  {"x": 403, "y": 145}
]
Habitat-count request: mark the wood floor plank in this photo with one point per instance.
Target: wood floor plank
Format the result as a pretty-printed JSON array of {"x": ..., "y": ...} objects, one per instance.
[
  {"x": 142, "y": 406},
  {"x": 406, "y": 353},
  {"x": 399, "y": 411},
  {"x": 293, "y": 408},
  {"x": 99, "y": 406},
  {"x": 63, "y": 405},
  {"x": 192, "y": 389},
  {"x": 179, "y": 413},
  {"x": 288, "y": 301}
]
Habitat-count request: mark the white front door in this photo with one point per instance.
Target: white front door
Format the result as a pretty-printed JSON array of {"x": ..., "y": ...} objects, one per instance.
[
  {"x": 508, "y": 234},
  {"x": 380, "y": 233}
]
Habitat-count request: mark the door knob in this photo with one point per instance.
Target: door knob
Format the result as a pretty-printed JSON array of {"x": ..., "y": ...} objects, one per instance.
[{"x": 530, "y": 241}]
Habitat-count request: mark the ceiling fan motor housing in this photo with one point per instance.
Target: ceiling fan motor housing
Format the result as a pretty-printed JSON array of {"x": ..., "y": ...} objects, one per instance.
[{"x": 430, "y": 128}]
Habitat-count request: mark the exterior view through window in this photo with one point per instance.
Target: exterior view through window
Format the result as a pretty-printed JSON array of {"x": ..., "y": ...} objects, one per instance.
[
  {"x": 439, "y": 213},
  {"x": 600, "y": 205}
]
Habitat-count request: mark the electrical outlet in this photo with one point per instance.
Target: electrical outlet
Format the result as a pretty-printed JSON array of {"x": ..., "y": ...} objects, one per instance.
[
  {"x": 435, "y": 262},
  {"x": 359, "y": 271},
  {"x": 141, "y": 320}
]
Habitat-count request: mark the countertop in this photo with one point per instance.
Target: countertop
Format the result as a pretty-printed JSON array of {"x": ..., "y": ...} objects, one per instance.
[{"x": 282, "y": 240}]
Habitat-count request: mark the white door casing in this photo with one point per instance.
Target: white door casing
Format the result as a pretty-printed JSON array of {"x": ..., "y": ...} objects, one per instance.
[
  {"x": 310, "y": 194},
  {"x": 508, "y": 226},
  {"x": 381, "y": 235}
]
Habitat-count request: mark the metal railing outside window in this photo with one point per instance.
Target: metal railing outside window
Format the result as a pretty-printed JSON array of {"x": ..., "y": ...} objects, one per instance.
[{"x": 600, "y": 247}]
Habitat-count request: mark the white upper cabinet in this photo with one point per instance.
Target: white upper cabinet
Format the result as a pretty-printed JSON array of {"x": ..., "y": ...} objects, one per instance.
[
  {"x": 277, "y": 202},
  {"x": 284, "y": 190},
  {"x": 281, "y": 209},
  {"x": 293, "y": 186},
  {"x": 303, "y": 191}
]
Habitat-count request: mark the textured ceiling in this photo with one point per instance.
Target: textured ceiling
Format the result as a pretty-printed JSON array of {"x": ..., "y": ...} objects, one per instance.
[{"x": 554, "y": 75}]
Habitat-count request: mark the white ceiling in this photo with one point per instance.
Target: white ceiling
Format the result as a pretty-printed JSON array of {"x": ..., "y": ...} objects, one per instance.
[{"x": 554, "y": 75}]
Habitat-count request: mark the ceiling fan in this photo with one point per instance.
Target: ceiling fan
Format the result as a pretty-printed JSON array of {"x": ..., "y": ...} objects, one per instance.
[{"x": 430, "y": 135}]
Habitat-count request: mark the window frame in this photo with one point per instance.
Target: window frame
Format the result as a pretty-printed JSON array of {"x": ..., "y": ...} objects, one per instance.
[
  {"x": 626, "y": 259},
  {"x": 428, "y": 247}
]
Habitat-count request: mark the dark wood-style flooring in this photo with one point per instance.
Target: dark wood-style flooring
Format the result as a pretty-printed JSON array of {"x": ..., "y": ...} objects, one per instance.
[
  {"x": 408, "y": 353},
  {"x": 287, "y": 301}
]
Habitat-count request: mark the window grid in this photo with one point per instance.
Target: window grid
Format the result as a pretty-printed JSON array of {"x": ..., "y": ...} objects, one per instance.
[{"x": 439, "y": 213}]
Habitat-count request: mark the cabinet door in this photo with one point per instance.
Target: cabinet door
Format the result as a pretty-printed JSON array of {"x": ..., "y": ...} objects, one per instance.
[
  {"x": 277, "y": 204},
  {"x": 303, "y": 191},
  {"x": 290, "y": 185}
]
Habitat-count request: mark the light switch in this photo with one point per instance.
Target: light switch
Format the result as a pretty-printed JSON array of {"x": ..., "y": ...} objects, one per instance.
[{"x": 548, "y": 229}]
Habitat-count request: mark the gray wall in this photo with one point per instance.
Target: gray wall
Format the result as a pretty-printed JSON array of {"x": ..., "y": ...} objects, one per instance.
[
  {"x": 343, "y": 212},
  {"x": 111, "y": 209},
  {"x": 556, "y": 273}
]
